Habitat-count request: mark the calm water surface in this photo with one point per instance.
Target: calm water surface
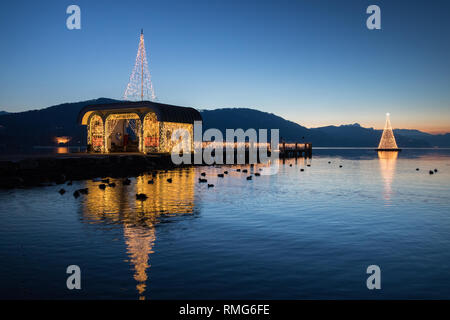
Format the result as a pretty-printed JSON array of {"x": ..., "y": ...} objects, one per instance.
[{"x": 293, "y": 235}]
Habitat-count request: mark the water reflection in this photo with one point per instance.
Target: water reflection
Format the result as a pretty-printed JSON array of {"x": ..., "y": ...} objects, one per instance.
[
  {"x": 118, "y": 205},
  {"x": 387, "y": 160},
  {"x": 62, "y": 150},
  {"x": 139, "y": 241}
]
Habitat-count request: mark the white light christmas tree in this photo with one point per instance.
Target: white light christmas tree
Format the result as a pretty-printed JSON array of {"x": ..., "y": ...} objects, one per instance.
[
  {"x": 140, "y": 86},
  {"x": 387, "y": 141}
]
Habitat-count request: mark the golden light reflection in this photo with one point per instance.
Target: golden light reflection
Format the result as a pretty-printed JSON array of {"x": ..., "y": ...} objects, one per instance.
[
  {"x": 61, "y": 150},
  {"x": 62, "y": 140},
  {"x": 387, "y": 160},
  {"x": 139, "y": 241},
  {"x": 118, "y": 205}
]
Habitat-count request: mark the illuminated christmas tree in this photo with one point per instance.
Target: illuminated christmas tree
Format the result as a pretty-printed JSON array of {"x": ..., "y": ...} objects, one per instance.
[
  {"x": 140, "y": 85},
  {"x": 387, "y": 141}
]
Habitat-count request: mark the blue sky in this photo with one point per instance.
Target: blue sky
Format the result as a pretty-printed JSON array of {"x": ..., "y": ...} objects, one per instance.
[{"x": 313, "y": 62}]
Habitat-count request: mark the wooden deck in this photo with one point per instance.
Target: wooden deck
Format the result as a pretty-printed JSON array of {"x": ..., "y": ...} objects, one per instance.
[
  {"x": 295, "y": 150},
  {"x": 285, "y": 149}
]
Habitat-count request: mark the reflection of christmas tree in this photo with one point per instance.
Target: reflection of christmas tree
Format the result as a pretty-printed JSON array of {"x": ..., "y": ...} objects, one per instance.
[
  {"x": 139, "y": 218},
  {"x": 140, "y": 85},
  {"x": 387, "y": 162},
  {"x": 140, "y": 241},
  {"x": 387, "y": 141}
]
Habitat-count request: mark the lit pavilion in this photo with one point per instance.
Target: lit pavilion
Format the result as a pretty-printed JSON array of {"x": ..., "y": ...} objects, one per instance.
[{"x": 142, "y": 126}]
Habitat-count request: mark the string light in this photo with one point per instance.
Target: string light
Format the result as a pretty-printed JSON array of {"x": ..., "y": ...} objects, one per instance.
[
  {"x": 387, "y": 141},
  {"x": 140, "y": 86}
]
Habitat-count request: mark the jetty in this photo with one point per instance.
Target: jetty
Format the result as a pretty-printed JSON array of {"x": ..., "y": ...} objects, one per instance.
[
  {"x": 18, "y": 171},
  {"x": 295, "y": 150},
  {"x": 129, "y": 139}
]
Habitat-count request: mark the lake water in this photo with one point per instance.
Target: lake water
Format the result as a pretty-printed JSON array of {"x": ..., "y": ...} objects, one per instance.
[{"x": 294, "y": 235}]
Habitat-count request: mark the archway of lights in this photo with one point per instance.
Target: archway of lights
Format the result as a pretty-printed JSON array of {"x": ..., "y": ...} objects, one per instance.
[
  {"x": 145, "y": 127},
  {"x": 95, "y": 133},
  {"x": 123, "y": 132}
]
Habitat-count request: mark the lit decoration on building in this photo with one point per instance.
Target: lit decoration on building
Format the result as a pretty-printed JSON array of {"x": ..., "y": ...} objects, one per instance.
[
  {"x": 137, "y": 126},
  {"x": 152, "y": 136},
  {"x": 166, "y": 131},
  {"x": 96, "y": 133},
  {"x": 387, "y": 141},
  {"x": 140, "y": 86},
  {"x": 144, "y": 127},
  {"x": 151, "y": 133},
  {"x": 116, "y": 129},
  {"x": 111, "y": 124}
]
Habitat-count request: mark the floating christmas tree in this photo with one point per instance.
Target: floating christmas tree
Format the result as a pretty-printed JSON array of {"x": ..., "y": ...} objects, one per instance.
[
  {"x": 387, "y": 142},
  {"x": 140, "y": 85}
]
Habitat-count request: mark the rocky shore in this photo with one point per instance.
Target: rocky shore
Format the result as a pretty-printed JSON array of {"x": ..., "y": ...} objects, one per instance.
[{"x": 41, "y": 171}]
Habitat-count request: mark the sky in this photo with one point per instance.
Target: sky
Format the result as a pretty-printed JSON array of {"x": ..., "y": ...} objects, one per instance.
[{"x": 312, "y": 62}]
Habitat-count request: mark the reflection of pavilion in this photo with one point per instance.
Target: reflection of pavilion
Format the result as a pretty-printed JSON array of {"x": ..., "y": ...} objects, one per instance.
[
  {"x": 387, "y": 160},
  {"x": 119, "y": 205}
]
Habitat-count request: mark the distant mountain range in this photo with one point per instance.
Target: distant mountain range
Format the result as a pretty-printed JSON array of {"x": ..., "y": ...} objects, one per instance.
[
  {"x": 3, "y": 112},
  {"x": 39, "y": 127},
  {"x": 352, "y": 135}
]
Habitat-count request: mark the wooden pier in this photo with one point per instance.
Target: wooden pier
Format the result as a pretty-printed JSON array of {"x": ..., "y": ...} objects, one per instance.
[
  {"x": 34, "y": 170},
  {"x": 295, "y": 150},
  {"x": 285, "y": 150}
]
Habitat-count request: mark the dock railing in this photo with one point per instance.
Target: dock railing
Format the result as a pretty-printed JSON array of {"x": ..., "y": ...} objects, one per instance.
[{"x": 290, "y": 149}]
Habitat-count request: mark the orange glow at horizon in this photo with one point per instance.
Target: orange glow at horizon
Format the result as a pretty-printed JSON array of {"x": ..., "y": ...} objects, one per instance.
[{"x": 436, "y": 128}]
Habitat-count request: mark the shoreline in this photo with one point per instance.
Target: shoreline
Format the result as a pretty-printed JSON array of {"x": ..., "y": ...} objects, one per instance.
[{"x": 34, "y": 171}]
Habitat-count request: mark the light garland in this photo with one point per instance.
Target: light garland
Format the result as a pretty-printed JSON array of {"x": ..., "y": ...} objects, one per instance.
[
  {"x": 95, "y": 133},
  {"x": 140, "y": 86},
  {"x": 387, "y": 139}
]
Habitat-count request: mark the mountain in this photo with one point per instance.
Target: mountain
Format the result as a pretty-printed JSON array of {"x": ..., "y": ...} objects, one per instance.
[
  {"x": 353, "y": 135},
  {"x": 438, "y": 140},
  {"x": 3, "y": 112},
  {"x": 21, "y": 130},
  {"x": 245, "y": 118}
]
